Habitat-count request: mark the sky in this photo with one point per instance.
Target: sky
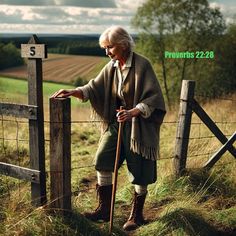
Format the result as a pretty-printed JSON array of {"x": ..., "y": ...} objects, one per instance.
[{"x": 78, "y": 16}]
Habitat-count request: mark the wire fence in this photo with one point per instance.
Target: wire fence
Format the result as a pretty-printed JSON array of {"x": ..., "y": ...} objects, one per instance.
[{"x": 14, "y": 139}]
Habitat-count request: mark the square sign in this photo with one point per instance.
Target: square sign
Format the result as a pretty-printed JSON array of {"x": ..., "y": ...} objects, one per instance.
[{"x": 33, "y": 51}]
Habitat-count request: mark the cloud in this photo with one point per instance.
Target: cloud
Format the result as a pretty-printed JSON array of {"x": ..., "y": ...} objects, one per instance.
[
  {"x": 27, "y": 2},
  {"x": 63, "y": 15},
  {"x": 77, "y": 16},
  {"x": 228, "y": 9},
  {"x": 124, "y": 4},
  {"x": 60, "y": 19},
  {"x": 76, "y": 3},
  {"x": 87, "y": 3},
  {"x": 17, "y": 15}
]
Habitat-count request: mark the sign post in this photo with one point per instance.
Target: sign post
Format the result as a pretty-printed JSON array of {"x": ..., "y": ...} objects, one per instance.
[{"x": 35, "y": 52}]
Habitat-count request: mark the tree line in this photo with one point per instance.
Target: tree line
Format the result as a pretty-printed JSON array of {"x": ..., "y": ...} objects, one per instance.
[{"x": 77, "y": 47}]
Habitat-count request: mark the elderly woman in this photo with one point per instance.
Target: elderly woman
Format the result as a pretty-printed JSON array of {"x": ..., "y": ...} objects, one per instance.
[{"x": 128, "y": 80}]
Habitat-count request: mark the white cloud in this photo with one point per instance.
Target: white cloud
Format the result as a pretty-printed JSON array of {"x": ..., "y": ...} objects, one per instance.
[
  {"x": 78, "y": 3},
  {"x": 27, "y": 2},
  {"x": 55, "y": 18},
  {"x": 227, "y": 8},
  {"x": 217, "y": 5},
  {"x": 62, "y": 29},
  {"x": 129, "y": 4},
  {"x": 75, "y": 16}
]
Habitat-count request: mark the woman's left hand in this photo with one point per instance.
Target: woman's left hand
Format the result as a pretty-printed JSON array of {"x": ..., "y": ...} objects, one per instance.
[{"x": 127, "y": 115}]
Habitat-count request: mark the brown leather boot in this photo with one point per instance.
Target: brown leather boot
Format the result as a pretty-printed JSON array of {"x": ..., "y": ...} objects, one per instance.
[
  {"x": 102, "y": 212},
  {"x": 136, "y": 216}
]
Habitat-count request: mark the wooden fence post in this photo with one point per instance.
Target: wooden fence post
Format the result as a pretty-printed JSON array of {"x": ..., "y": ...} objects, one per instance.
[
  {"x": 183, "y": 127},
  {"x": 60, "y": 154},
  {"x": 35, "y": 52}
]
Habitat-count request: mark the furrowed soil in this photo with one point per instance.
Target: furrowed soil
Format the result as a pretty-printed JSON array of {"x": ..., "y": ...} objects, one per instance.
[{"x": 62, "y": 68}]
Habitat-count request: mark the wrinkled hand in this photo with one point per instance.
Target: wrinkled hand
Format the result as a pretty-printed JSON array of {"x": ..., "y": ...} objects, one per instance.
[
  {"x": 126, "y": 115},
  {"x": 63, "y": 93},
  {"x": 123, "y": 115}
]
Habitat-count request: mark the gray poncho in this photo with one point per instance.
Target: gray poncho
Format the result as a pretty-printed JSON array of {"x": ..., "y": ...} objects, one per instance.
[{"x": 140, "y": 86}]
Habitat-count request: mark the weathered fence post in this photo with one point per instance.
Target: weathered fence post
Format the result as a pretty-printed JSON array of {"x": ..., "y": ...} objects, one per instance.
[
  {"x": 35, "y": 52},
  {"x": 60, "y": 154},
  {"x": 183, "y": 127}
]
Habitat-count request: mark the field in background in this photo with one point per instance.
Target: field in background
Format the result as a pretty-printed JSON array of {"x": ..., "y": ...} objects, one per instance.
[{"x": 63, "y": 68}]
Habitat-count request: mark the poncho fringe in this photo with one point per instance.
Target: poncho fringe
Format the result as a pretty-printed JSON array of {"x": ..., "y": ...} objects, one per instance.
[{"x": 150, "y": 153}]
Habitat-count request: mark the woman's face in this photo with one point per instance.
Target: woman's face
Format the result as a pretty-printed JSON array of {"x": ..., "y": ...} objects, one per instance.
[{"x": 115, "y": 51}]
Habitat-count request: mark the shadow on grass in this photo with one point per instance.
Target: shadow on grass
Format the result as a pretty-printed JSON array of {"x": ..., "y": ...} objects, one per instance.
[
  {"x": 183, "y": 221},
  {"x": 82, "y": 226},
  {"x": 215, "y": 183},
  {"x": 188, "y": 221}
]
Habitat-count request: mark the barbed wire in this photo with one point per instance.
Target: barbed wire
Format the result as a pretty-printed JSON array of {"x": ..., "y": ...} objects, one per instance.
[
  {"x": 98, "y": 121},
  {"x": 198, "y": 95},
  {"x": 14, "y": 139},
  {"x": 202, "y": 154}
]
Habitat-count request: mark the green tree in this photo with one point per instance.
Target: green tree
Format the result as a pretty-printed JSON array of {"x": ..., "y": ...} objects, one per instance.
[
  {"x": 9, "y": 56},
  {"x": 176, "y": 26},
  {"x": 226, "y": 62}
]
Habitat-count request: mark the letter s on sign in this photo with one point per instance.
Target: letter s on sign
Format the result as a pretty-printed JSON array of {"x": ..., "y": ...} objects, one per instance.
[{"x": 32, "y": 51}]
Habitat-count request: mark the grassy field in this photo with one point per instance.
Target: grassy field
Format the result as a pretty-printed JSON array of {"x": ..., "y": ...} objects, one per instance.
[
  {"x": 10, "y": 87},
  {"x": 200, "y": 203},
  {"x": 63, "y": 68},
  {"x": 197, "y": 204}
]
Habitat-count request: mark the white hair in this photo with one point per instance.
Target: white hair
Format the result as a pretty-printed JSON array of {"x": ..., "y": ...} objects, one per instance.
[{"x": 116, "y": 35}]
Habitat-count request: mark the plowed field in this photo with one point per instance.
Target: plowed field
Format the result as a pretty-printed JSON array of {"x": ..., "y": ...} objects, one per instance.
[{"x": 63, "y": 68}]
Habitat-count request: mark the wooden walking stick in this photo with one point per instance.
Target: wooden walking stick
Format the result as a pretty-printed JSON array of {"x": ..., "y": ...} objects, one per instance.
[{"x": 118, "y": 147}]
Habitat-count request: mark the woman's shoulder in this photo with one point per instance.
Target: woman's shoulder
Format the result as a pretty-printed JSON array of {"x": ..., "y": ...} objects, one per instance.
[
  {"x": 141, "y": 59},
  {"x": 109, "y": 65}
]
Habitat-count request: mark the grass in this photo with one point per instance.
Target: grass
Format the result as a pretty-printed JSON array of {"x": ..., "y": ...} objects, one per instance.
[
  {"x": 11, "y": 87},
  {"x": 199, "y": 203}
]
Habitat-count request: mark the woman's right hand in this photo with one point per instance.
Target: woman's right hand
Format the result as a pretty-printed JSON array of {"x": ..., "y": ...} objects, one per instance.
[{"x": 64, "y": 93}]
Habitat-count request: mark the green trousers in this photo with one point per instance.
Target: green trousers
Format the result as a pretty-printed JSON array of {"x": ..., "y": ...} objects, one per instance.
[{"x": 140, "y": 170}]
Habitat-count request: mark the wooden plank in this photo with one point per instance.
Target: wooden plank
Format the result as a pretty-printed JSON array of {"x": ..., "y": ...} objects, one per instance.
[
  {"x": 211, "y": 125},
  {"x": 60, "y": 154},
  {"x": 18, "y": 110},
  {"x": 183, "y": 128},
  {"x": 34, "y": 51},
  {"x": 36, "y": 128},
  {"x": 211, "y": 162},
  {"x": 20, "y": 172}
]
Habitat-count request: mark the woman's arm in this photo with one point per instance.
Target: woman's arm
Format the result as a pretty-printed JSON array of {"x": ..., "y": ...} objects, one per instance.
[{"x": 64, "y": 93}]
